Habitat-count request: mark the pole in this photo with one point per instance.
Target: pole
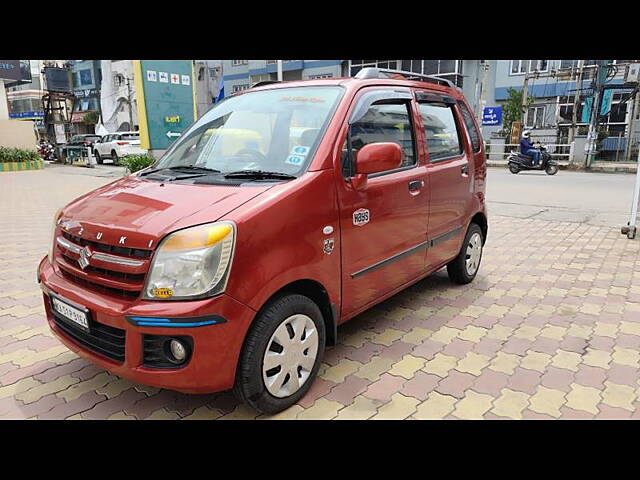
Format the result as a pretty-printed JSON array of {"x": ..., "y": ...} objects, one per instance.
[
  {"x": 595, "y": 112},
  {"x": 630, "y": 229},
  {"x": 576, "y": 99},
  {"x": 130, "y": 106},
  {"x": 525, "y": 95},
  {"x": 484, "y": 67},
  {"x": 634, "y": 112},
  {"x": 279, "y": 63}
]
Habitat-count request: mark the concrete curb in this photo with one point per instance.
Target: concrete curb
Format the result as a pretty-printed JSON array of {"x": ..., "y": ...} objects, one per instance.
[{"x": 20, "y": 166}]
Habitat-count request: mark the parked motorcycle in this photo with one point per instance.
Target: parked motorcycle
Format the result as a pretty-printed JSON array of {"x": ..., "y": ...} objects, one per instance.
[
  {"x": 47, "y": 151},
  {"x": 518, "y": 161}
]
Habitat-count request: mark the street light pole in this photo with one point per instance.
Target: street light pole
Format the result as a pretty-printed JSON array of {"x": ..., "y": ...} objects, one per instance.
[
  {"x": 130, "y": 102},
  {"x": 576, "y": 99},
  {"x": 590, "y": 148},
  {"x": 279, "y": 63}
]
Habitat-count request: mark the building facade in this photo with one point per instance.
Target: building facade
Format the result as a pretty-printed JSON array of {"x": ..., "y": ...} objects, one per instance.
[
  {"x": 87, "y": 78},
  {"x": 553, "y": 98}
]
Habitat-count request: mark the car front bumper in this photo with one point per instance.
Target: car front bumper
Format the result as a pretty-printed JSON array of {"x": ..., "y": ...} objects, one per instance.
[{"x": 216, "y": 347}]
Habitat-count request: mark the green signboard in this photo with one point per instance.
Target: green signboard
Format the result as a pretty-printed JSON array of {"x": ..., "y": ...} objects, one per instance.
[{"x": 165, "y": 101}]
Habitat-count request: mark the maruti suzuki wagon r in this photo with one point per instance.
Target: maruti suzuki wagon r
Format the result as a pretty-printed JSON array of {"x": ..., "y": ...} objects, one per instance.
[{"x": 283, "y": 212}]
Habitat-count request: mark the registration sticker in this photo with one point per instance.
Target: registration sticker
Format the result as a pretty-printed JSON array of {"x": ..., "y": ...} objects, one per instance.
[
  {"x": 294, "y": 160},
  {"x": 361, "y": 217},
  {"x": 162, "y": 292},
  {"x": 300, "y": 150}
]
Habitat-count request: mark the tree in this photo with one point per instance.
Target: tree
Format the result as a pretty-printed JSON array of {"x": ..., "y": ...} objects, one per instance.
[{"x": 512, "y": 109}]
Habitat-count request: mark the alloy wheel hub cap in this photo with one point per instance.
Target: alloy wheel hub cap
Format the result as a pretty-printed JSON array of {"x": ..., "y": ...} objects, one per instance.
[
  {"x": 290, "y": 356},
  {"x": 473, "y": 254}
]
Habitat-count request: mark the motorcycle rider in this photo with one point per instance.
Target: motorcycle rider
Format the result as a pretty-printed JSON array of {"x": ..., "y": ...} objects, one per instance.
[{"x": 526, "y": 148}]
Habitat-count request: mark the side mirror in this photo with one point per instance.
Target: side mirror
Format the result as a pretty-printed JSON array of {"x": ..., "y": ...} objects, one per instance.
[{"x": 378, "y": 157}]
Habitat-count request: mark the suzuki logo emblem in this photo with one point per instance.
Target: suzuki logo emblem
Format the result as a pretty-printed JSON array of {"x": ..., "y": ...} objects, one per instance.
[{"x": 85, "y": 254}]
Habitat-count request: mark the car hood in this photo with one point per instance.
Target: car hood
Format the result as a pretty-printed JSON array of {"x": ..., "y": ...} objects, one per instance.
[{"x": 143, "y": 211}]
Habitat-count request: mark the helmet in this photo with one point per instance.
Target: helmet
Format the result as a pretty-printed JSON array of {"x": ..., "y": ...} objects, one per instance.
[{"x": 526, "y": 134}]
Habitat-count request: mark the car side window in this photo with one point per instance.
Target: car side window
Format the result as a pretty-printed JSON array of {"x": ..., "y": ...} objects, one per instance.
[
  {"x": 383, "y": 122},
  {"x": 471, "y": 127},
  {"x": 441, "y": 131}
]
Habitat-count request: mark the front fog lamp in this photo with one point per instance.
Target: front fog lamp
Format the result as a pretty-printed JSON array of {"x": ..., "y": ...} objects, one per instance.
[
  {"x": 178, "y": 350},
  {"x": 192, "y": 263}
]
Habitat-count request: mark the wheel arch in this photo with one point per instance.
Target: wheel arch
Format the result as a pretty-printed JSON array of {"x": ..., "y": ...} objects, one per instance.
[
  {"x": 481, "y": 219},
  {"x": 318, "y": 294}
]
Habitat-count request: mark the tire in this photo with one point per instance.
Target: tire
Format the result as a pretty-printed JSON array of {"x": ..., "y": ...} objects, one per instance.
[
  {"x": 551, "y": 169},
  {"x": 114, "y": 157},
  {"x": 271, "y": 391},
  {"x": 514, "y": 168},
  {"x": 461, "y": 269},
  {"x": 99, "y": 159}
]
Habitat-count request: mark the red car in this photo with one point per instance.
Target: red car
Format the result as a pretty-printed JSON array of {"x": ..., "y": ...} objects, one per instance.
[{"x": 280, "y": 214}]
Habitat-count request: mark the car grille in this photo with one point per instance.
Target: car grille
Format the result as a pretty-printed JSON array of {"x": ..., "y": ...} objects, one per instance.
[
  {"x": 114, "y": 270},
  {"x": 102, "y": 339}
]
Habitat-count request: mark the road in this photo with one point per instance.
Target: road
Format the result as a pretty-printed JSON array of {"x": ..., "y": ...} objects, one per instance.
[{"x": 601, "y": 199}]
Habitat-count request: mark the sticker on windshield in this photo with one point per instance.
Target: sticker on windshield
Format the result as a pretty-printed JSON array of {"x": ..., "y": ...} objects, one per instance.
[
  {"x": 300, "y": 150},
  {"x": 294, "y": 160}
]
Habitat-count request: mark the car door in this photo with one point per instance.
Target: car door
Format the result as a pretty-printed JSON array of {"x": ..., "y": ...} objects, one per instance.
[
  {"x": 383, "y": 225},
  {"x": 100, "y": 146},
  {"x": 450, "y": 173}
]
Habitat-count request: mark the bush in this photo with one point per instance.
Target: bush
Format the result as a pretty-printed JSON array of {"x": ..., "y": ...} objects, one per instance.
[
  {"x": 137, "y": 162},
  {"x": 17, "y": 155}
]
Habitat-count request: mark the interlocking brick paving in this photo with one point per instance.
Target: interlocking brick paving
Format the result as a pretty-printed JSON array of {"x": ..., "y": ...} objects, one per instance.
[{"x": 550, "y": 329}]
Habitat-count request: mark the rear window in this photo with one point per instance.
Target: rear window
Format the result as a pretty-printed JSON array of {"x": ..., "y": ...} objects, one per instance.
[
  {"x": 91, "y": 138},
  {"x": 471, "y": 127},
  {"x": 443, "y": 140}
]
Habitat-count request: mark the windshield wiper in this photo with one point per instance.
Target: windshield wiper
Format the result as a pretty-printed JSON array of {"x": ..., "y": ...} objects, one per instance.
[
  {"x": 259, "y": 174},
  {"x": 188, "y": 168}
]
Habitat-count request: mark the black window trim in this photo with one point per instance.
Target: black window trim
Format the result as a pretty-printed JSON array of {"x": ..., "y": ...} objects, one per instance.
[
  {"x": 456, "y": 121},
  {"x": 392, "y": 100}
]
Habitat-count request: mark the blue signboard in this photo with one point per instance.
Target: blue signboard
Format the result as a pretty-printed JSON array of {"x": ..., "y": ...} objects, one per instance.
[
  {"x": 492, "y": 116},
  {"x": 38, "y": 114}
]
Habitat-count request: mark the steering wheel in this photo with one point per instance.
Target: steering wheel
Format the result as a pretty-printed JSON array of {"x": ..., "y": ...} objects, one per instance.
[{"x": 251, "y": 151}]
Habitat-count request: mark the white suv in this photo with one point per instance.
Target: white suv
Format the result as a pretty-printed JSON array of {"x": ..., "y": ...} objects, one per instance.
[{"x": 116, "y": 145}]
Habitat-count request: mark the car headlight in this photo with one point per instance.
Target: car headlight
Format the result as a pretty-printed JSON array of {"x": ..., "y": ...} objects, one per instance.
[
  {"x": 192, "y": 263},
  {"x": 52, "y": 243}
]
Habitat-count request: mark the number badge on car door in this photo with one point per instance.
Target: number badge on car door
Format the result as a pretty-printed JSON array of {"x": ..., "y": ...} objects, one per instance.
[{"x": 361, "y": 217}]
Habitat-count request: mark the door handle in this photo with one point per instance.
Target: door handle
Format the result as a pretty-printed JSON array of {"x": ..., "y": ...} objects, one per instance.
[
  {"x": 416, "y": 185},
  {"x": 464, "y": 169}
]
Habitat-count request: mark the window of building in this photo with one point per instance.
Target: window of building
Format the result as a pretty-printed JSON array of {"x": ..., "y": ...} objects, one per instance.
[
  {"x": 320, "y": 75},
  {"x": 471, "y": 127},
  {"x": 449, "y": 69},
  {"x": 535, "y": 117},
  {"x": 239, "y": 62},
  {"x": 85, "y": 77},
  {"x": 443, "y": 137},
  {"x": 383, "y": 123},
  {"x": 239, "y": 88},
  {"x": 519, "y": 67}
]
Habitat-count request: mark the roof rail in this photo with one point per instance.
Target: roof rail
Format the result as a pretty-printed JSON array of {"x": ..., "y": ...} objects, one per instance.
[
  {"x": 265, "y": 82},
  {"x": 374, "y": 72}
]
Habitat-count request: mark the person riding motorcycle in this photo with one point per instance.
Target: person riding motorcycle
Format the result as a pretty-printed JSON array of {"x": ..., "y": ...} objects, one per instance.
[{"x": 526, "y": 148}]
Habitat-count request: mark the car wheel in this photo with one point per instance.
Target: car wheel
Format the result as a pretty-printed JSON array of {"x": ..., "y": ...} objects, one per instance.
[
  {"x": 98, "y": 157},
  {"x": 281, "y": 354},
  {"x": 114, "y": 157},
  {"x": 551, "y": 169},
  {"x": 464, "y": 267},
  {"x": 513, "y": 168}
]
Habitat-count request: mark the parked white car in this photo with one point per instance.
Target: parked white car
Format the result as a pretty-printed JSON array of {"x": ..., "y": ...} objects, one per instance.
[{"x": 116, "y": 145}]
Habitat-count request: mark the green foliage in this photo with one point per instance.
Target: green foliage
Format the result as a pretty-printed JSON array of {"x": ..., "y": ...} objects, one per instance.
[
  {"x": 90, "y": 118},
  {"x": 17, "y": 155},
  {"x": 136, "y": 162},
  {"x": 512, "y": 109}
]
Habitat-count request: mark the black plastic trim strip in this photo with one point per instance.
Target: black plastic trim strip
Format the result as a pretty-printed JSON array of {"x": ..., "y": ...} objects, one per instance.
[{"x": 412, "y": 250}]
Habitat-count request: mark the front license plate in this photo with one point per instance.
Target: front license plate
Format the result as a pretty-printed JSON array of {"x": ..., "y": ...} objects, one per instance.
[{"x": 73, "y": 314}]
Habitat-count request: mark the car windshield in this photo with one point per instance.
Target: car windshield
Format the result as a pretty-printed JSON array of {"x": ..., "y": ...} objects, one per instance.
[
  {"x": 129, "y": 136},
  {"x": 270, "y": 130}
]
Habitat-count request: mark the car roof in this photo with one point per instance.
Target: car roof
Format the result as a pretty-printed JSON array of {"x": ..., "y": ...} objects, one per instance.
[{"x": 357, "y": 83}]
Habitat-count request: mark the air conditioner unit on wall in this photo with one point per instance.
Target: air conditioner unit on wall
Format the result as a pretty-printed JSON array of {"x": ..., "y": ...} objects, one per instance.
[{"x": 633, "y": 73}]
